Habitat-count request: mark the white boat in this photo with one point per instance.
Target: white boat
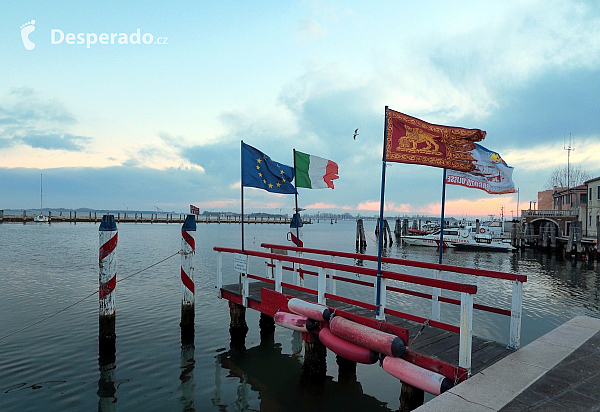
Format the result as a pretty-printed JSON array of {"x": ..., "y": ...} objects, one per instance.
[
  {"x": 488, "y": 236},
  {"x": 451, "y": 237},
  {"x": 41, "y": 218}
]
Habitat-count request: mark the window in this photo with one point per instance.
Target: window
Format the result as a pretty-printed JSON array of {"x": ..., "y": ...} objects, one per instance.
[
  {"x": 583, "y": 198},
  {"x": 598, "y": 192},
  {"x": 590, "y": 195}
]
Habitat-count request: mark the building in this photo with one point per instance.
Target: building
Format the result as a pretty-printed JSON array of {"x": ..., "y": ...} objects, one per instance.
[
  {"x": 592, "y": 217},
  {"x": 545, "y": 200}
]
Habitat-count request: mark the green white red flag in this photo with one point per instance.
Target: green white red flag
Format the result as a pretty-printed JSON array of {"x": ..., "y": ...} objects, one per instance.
[{"x": 314, "y": 172}]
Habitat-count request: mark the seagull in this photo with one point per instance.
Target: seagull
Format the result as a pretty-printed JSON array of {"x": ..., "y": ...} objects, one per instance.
[{"x": 355, "y": 134}]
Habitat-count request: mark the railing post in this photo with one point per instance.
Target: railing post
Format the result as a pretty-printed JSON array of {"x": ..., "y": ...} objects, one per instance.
[
  {"x": 322, "y": 287},
  {"x": 278, "y": 275},
  {"x": 382, "y": 299},
  {"x": 219, "y": 274},
  {"x": 466, "y": 330},
  {"x": 435, "y": 295},
  {"x": 516, "y": 308},
  {"x": 245, "y": 286},
  {"x": 333, "y": 281}
]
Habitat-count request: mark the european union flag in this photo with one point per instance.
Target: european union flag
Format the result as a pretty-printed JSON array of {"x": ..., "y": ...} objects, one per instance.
[{"x": 260, "y": 171}]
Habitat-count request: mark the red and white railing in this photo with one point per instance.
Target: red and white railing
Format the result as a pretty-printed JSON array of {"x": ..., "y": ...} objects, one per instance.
[{"x": 465, "y": 329}]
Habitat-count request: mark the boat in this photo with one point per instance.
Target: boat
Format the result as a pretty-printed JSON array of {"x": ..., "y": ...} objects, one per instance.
[
  {"x": 485, "y": 243},
  {"x": 433, "y": 239},
  {"x": 487, "y": 236},
  {"x": 41, "y": 218}
]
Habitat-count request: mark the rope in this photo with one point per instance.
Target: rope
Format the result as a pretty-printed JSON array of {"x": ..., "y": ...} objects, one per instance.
[
  {"x": 87, "y": 297},
  {"x": 426, "y": 323}
]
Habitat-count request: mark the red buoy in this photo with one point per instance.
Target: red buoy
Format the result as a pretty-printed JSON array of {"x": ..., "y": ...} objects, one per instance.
[
  {"x": 416, "y": 376},
  {"x": 345, "y": 349},
  {"x": 311, "y": 310},
  {"x": 367, "y": 337},
  {"x": 294, "y": 322}
]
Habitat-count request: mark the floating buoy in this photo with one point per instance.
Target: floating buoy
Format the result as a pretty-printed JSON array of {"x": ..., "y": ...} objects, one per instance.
[
  {"x": 416, "y": 376},
  {"x": 311, "y": 310},
  {"x": 367, "y": 337},
  {"x": 294, "y": 322},
  {"x": 345, "y": 349}
]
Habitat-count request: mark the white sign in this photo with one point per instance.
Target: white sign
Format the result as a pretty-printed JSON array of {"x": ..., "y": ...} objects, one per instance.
[{"x": 240, "y": 262}]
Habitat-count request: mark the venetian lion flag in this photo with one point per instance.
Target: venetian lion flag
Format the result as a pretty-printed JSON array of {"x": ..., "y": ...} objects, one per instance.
[
  {"x": 314, "y": 172},
  {"x": 411, "y": 140},
  {"x": 490, "y": 173}
]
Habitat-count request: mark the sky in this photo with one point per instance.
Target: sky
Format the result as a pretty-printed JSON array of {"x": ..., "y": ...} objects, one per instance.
[{"x": 157, "y": 122}]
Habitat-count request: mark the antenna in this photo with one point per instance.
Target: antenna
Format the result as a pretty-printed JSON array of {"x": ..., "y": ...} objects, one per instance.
[{"x": 569, "y": 149}]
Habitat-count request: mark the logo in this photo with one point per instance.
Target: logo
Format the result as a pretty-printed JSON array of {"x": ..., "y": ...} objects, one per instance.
[{"x": 26, "y": 30}]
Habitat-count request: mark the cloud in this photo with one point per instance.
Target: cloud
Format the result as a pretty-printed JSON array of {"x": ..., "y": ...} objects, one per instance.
[
  {"x": 66, "y": 141},
  {"x": 310, "y": 30},
  {"x": 27, "y": 119}
]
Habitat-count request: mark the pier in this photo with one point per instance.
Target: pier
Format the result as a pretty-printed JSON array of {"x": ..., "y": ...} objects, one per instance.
[
  {"x": 447, "y": 349},
  {"x": 96, "y": 217},
  {"x": 556, "y": 372}
]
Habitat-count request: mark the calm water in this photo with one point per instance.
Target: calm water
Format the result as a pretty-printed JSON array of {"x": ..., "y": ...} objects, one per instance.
[{"x": 54, "y": 366}]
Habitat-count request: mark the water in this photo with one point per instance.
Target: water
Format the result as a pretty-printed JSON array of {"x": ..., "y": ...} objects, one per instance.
[{"x": 54, "y": 365}]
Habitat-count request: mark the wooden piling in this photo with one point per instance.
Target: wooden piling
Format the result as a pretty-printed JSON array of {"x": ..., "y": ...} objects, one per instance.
[
  {"x": 188, "y": 250},
  {"x": 107, "y": 277},
  {"x": 315, "y": 356},
  {"x": 238, "y": 328},
  {"x": 361, "y": 241},
  {"x": 404, "y": 227},
  {"x": 266, "y": 324},
  {"x": 346, "y": 369},
  {"x": 410, "y": 398}
]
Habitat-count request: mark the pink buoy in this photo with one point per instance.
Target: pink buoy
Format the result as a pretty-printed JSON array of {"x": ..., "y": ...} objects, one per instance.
[
  {"x": 367, "y": 337},
  {"x": 294, "y": 322},
  {"x": 416, "y": 376},
  {"x": 311, "y": 310},
  {"x": 345, "y": 349}
]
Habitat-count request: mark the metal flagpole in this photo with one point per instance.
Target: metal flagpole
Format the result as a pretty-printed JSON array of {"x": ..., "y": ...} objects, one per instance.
[
  {"x": 296, "y": 199},
  {"x": 380, "y": 245},
  {"x": 442, "y": 218},
  {"x": 242, "y": 185}
]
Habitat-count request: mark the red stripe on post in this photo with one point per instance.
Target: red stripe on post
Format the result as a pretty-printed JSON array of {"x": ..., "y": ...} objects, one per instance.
[
  {"x": 107, "y": 288},
  {"x": 109, "y": 247},
  {"x": 189, "y": 239},
  {"x": 187, "y": 282}
]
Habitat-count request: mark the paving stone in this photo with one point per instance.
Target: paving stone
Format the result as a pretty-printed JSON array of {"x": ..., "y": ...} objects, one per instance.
[
  {"x": 574, "y": 402},
  {"x": 515, "y": 406},
  {"x": 548, "y": 386},
  {"x": 591, "y": 387},
  {"x": 531, "y": 398}
]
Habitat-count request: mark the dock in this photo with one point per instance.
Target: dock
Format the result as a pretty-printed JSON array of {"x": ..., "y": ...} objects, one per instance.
[
  {"x": 96, "y": 217},
  {"x": 559, "y": 371},
  {"x": 449, "y": 351}
]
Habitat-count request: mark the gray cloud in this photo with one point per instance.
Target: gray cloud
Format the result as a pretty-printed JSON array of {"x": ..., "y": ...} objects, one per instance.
[{"x": 27, "y": 119}]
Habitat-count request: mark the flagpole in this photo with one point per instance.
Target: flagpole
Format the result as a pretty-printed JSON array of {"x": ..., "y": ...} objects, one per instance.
[
  {"x": 242, "y": 185},
  {"x": 442, "y": 217},
  {"x": 380, "y": 245},
  {"x": 296, "y": 199}
]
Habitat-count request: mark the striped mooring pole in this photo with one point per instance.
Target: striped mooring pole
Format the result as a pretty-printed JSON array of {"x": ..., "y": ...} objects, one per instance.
[
  {"x": 108, "y": 276},
  {"x": 188, "y": 250}
]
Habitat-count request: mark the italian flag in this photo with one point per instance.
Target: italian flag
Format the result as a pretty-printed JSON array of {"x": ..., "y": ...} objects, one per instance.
[{"x": 314, "y": 172}]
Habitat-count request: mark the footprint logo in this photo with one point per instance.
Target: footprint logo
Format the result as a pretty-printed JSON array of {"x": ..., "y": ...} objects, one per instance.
[{"x": 26, "y": 29}]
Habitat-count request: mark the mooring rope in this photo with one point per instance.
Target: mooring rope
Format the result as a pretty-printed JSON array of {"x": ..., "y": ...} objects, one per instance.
[
  {"x": 87, "y": 297},
  {"x": 426, "y": 323}
]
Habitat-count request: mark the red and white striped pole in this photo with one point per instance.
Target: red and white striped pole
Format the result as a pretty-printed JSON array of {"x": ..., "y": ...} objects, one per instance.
[
  {"x": 108, "y": 276},
  {"x": 188, "y": 250}
]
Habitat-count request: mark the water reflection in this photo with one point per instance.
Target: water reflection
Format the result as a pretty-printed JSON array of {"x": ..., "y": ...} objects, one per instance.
[
  {"x": 106, "y": 384},
  {"x": 277, "y": 380},
  {"x": 186, "y": 378}
]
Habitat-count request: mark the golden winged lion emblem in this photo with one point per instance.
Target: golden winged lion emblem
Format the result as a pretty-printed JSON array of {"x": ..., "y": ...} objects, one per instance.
[{"x": 418, "y": 141}]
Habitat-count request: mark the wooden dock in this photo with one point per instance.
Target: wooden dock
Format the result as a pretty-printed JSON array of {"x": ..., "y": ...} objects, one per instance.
[
  {"x": 96, "y": 217},
  {"x": 431, "y": 342}
]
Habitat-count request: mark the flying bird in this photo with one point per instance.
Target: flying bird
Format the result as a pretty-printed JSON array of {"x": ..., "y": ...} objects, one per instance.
[{"x": 355, "y": 134}]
